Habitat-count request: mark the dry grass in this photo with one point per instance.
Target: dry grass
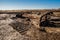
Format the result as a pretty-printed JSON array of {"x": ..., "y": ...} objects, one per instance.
[{"x": 34, "y": 32}]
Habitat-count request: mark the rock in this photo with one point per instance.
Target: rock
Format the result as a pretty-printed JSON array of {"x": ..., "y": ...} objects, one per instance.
[{"x": 21, "y": 26}]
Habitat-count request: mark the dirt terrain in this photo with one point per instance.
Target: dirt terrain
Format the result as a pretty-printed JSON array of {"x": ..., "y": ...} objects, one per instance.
[{"x": 25, "y": 25}]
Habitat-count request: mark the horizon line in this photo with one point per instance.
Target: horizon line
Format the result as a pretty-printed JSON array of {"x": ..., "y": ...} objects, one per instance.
[{"x": 32, "y": 9}]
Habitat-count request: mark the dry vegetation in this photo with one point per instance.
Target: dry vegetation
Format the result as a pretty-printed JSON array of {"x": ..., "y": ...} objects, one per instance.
[{"x": 26, "y": 27}]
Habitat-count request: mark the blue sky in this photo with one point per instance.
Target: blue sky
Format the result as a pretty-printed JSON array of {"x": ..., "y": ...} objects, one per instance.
[{"x": 28, "y": 4}]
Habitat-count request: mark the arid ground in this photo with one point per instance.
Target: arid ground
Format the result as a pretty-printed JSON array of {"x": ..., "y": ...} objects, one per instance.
[{"x": 25, "y": 25}]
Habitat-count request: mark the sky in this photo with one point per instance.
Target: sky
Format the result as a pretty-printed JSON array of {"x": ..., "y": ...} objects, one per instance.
[{"x": 29, "y": 4}]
